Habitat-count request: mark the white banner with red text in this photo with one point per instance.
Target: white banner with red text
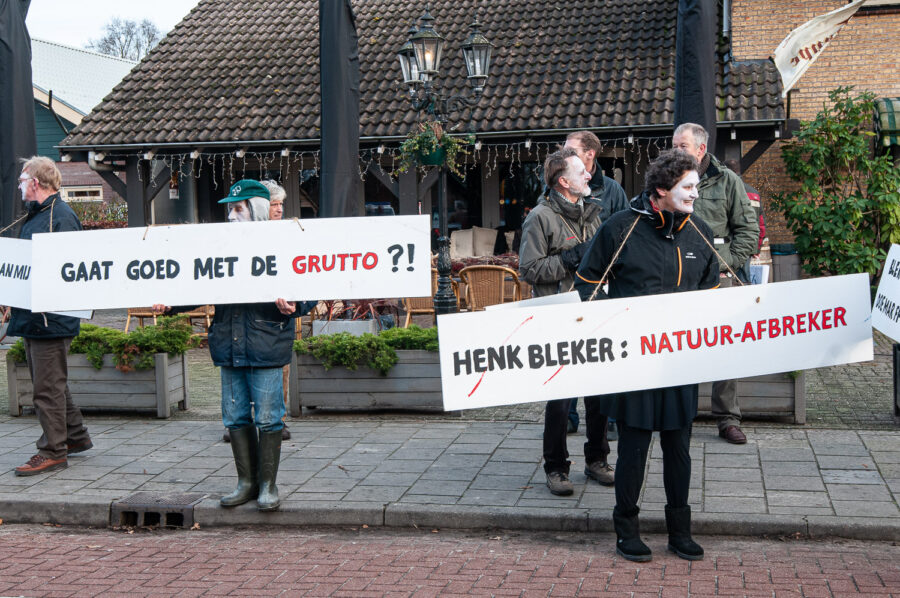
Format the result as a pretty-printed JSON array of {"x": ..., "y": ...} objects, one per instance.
[
  {"x": 525, "y": 355},
  {"x": 235, "y": 262}
]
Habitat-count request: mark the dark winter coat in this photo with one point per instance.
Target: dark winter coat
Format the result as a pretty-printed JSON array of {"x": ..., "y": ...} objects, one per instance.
[
  {"x": 608, "y": 192},
  {"x": 23, "y": 322},
  {"x": 664, "y": 254},
  {"x": 253, "y": 334},
  {"x": 553, "y": 226}
]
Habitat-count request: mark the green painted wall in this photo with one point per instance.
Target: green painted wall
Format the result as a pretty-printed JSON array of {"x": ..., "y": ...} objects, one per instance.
[{"x": 48, "y": 131}]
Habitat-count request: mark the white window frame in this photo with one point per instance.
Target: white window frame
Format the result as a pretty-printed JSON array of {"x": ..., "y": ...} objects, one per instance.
[{"x": 95, "y": 191}]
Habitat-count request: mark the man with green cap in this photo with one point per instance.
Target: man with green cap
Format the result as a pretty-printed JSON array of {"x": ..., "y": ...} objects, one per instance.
[{"x": 251, "y": 343}]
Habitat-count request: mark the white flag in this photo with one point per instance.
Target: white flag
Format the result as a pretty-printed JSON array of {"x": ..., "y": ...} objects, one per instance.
[{"x": 804, "y": 44}]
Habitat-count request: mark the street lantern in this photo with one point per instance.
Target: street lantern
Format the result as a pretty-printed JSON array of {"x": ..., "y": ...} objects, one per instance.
[
  {"x": 428, "y": 45},
  {"x": 408, "y": 65},
  {"x": 477, "y": 53},
  {"x": 420, "y": 60}
]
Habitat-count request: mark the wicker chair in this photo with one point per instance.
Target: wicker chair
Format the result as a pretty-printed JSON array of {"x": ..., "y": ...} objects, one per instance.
[
  {"x": 485, "y": 285},
  {"x": 423, "y": 305}
]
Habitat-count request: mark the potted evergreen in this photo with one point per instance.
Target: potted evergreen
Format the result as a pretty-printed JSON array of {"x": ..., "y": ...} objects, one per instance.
[
  {"x": 109, "y": 369},
  {"x": 398, "y": 368},
  {"x": 429, "y": 145}
]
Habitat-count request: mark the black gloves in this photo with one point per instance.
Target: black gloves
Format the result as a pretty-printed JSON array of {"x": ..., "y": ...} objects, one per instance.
[{"x": 571, "y": 258}]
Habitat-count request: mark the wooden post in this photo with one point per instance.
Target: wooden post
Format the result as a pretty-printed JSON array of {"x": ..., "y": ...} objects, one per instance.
[
  {"x": 294, "y": 387},
  {"x": 162, "y": 385},
  {"x": 800, "y": 398},
  {"x": 185, "y": 402},
  {"x": 14, "y": 408}
]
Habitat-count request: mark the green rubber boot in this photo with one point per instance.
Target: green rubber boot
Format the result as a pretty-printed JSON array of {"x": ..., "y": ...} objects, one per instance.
[
  {"x": 244, "y": 448},
  {"x": 269, "y": 456}
]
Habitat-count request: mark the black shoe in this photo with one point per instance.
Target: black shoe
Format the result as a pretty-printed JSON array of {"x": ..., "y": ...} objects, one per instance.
[
  {"x": 678, "y": 523},
  {"x": 559, "y": 483},
  {"x": 612, "y": 432},
  {"x": 628, "y": 538}
]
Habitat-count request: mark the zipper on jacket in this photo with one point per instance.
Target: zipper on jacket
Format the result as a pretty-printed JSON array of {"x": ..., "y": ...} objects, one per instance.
[{"x": 678, "y": 251}]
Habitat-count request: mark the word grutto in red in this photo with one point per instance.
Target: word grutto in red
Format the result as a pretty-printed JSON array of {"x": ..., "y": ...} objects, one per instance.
[
  {"x": 680, "y": 340},
  {"x": 339, "y": 261}
]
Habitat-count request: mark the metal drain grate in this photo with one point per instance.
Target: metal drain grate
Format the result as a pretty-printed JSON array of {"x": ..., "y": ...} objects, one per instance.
[{"x": 160, "y": 509}]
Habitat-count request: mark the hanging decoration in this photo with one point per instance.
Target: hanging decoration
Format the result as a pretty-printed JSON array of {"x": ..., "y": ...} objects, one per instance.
[{"x": 635, "y": 152}]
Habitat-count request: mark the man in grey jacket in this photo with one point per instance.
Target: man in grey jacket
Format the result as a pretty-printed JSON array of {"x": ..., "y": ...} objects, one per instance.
[
  {"x": 724, "y": 206},
  {"x": 554, "y": 238}
]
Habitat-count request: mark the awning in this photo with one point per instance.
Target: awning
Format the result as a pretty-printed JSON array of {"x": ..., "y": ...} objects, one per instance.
[{"x": 887, "y": 121}]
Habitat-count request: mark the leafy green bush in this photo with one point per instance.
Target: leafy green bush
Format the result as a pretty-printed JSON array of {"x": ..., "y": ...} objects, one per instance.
[
  {"x": 846, "y": 212},
  {"x": 412, "y": 338},
  {"x": 132, "y": 351},
  {"x": 377, "y": 352}
]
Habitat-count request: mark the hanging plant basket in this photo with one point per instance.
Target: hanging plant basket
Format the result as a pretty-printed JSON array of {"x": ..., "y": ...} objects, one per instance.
[{"x": 432, "y": 158}]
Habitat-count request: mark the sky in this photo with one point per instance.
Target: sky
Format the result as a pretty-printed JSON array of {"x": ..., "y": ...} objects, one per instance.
[{"x": 77, "y": 22}]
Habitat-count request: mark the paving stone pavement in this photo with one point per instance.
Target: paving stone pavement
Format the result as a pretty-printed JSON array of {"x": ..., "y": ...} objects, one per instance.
[
  {"x": 839, "y": 474},
  {"x": 466, "y": 475},
  {"x": 427, "y": 562}
]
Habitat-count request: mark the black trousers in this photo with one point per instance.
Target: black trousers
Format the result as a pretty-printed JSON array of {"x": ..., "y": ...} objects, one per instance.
[
  {"x": 634, "y": 445},
  {"x": 556, "y": 419}
]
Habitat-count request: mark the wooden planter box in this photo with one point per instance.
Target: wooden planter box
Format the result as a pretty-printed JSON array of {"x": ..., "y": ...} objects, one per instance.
[
  {"x": 772, "y": 394},
  {"x": 108, "y": 388},
  {"x": 413, "y": 383}
]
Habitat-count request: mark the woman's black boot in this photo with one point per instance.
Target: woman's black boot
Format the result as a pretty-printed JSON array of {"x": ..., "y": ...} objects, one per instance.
[
  {"x": 628, "y": 537},
  {"x": 678, "y": 522}
]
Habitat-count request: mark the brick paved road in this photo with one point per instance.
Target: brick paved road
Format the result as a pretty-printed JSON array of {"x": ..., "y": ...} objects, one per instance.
[{"x": 60, "y": 562}]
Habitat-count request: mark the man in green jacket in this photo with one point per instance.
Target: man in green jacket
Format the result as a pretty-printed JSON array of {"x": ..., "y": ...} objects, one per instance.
[
  {"x": 724, "y": 206},
  {"x": 555, "y": 236}
]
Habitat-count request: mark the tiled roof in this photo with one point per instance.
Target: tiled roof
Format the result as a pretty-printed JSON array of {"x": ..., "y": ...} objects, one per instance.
[
  {"x": 80, "y": 78},
  {"x": 245, "y": 70}
]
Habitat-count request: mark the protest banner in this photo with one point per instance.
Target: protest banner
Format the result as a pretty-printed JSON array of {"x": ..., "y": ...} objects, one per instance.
[
  {"x": 15, "y": 273},
  {"x": 15, "y": 276},
  {"x": 550, "y": 352},
  {"x": 236, "y": 262},
  {"x": 886, "y": 310}
]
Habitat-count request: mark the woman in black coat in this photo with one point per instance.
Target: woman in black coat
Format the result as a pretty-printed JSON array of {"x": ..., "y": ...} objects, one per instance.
[{"x": 651, "y": 263}]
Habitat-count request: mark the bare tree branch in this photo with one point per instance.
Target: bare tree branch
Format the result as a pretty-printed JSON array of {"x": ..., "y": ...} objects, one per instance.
[{"x": 125, "y": 38}]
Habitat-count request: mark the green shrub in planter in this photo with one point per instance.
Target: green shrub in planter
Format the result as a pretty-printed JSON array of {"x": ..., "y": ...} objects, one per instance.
[
  {"x": 132, "y": 351},
  {"x": 377, "y": 352}
]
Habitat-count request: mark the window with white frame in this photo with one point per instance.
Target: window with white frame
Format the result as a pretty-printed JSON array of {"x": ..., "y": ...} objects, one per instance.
[{"x": 83, "y": 194}]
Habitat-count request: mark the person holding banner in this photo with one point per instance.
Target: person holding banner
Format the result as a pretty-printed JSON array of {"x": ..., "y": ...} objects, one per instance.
[
  {"x": 554, "y": 237},
  {"x": 724, "y": 206},
  {"x": 657, "y": 247},
  {"x": 47, "y": 336},
  {"x": 251, "y": 343}
]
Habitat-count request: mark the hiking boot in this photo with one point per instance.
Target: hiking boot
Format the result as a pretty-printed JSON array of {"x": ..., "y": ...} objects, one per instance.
[
  {"x": 79, "y": 447},
  {"x": 601, "y": 471},
  {"x": 559, "y": 483},
  {"x": 40, "y": 464}
]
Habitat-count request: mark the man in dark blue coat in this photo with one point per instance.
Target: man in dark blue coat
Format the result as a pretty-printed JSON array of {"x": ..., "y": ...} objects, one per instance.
[{"x": 48, "y": 336}]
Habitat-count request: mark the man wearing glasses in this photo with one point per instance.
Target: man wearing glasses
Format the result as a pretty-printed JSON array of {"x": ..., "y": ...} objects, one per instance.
[{"x": 47, "y": 336}]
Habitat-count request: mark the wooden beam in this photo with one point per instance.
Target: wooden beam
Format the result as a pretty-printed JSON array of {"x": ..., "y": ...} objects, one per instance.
[
  {"x": 383, "y": 178},
  {"x": 117, "y": 184},
  {"x": 428, "y": 182},
  {"x": 156, "y": 185},
  {"x": 755, "y": 152},
  {"x": 136, "y": 173}
]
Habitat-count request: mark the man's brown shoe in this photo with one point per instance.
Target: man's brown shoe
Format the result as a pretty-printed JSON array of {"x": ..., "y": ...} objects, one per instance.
[
  {"x": 38, "y": 464},
  {"x": 79, "y": 447},
  {"x": 733, "y": 435}
]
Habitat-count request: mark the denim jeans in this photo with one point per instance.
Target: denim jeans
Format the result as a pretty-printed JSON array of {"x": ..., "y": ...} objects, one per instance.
[{"x": 252, "y": 396}]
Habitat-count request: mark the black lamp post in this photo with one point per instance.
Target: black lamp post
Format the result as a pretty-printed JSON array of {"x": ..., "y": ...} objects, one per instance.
[{"x": 420, "y": 60}]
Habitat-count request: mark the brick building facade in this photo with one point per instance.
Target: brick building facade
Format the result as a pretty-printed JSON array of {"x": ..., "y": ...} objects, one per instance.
[{"x": 864, "y": 54}]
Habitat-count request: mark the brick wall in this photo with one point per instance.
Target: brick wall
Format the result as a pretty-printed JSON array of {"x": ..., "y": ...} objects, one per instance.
[
  {"x": 864, "y": 54},
  {"x": 79, "y": 173}
]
